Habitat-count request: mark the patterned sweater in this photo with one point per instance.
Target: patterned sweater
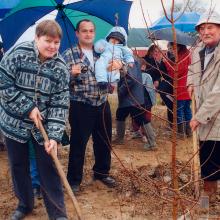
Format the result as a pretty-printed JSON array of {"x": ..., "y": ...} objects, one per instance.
[{"x": 26, "y": 83}]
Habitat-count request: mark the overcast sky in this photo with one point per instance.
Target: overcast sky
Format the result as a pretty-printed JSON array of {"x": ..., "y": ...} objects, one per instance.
[{"x": 153, "y": 10}]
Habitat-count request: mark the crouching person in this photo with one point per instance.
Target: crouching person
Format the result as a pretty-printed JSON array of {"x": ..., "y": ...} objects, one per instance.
[{"x": 34, "y": 86}]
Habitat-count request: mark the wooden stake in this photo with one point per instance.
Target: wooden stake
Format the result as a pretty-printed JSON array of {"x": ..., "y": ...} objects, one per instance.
[
  {"x": 195, "y": 153},
  {"x": 61, "y": 173}
]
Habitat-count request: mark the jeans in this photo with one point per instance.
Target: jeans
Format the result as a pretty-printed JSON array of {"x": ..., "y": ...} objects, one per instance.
[
  {"x": 34, "y": 173},
  {"x": 184, "y": 113}
]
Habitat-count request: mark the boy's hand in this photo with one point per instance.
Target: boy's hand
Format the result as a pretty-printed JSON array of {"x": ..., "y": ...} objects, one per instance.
[
  {"x": 131, "y": 65},
  {"x": 114, "y": 65}
]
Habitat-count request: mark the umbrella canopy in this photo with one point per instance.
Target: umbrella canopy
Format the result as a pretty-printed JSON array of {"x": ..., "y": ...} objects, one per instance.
[
  {"x": 137, "y": 37},
  {"x": 183, "y": 21},
  {"x": 6, "y": 5},
  {"x": 167, "y": 34},
  {"x": 27, "y": 12}
]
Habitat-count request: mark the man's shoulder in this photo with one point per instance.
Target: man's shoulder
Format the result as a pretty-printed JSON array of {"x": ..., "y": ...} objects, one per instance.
[{"x": 71, "y": 50}]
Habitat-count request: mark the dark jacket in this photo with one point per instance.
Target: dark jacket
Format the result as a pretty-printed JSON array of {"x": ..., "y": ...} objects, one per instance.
[
  {"x": 130, "y": 87},
  {"x": 153, "y": 68}
]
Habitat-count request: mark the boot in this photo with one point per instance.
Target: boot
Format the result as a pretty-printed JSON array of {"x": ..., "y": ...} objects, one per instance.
[
  {"x": 170, "y": 118},
  {"x": 149, "y": 133},
  {"x": 210, "y": 190},
  {"x": 181, "y": 130},
  {"x": 188, "y": 130},
  {"x": 120, "y": 129}
]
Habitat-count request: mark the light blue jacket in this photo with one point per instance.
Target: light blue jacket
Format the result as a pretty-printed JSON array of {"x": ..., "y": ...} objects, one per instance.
[
  {"x": 108, "y": 53},
  {"x": 149, "y": 86}
]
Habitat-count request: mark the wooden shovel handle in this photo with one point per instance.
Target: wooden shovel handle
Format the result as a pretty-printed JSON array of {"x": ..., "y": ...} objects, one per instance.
[{"x": 61, "y": 173}]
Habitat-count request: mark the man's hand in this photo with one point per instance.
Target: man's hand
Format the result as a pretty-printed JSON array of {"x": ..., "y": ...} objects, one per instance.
[
  {"x": 190, "y": 90},
  {"x": 194, "y": 124},
  {"x": 75, "y": 69},
  {"x": 35, "y": 116},
  {"x": 50, "y": 145},
  {"x": 114, "y": 65}
]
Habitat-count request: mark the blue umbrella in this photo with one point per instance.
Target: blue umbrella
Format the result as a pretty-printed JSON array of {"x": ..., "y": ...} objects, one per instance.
[
  {"x": 183, "y": 21},
  {"x": 27, "y": 12},
  {"x": 167, "y": 34},
  {"x": 6, "y": 5}
]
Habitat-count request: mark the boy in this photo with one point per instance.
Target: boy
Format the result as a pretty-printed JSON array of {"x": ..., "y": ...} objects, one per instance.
[{"x": 112, "y": 49}]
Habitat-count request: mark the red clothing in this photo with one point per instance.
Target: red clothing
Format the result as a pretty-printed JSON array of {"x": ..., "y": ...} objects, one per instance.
[{"x": 184, "y": 62}]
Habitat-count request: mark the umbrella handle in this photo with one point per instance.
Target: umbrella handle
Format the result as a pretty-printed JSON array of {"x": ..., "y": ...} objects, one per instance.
[{"x": 61, "y": 173}]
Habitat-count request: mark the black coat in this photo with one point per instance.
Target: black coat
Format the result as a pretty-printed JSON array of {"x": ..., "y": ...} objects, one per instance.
[{"x": 130, "y": 87}]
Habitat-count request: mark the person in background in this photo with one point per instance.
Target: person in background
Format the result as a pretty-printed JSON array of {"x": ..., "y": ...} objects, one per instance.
[
  {"x": 89, "y": 112},
  {"x": 131, "y": 102},
  {"x": 184, "y": 113},
  {"x": 149, "y": 102},
  {"x": 203, "y": 81},
  {"x": 34, "y": 86},
  {"x": 154, "y": 64},
  {"x": 165, "y": 88}
]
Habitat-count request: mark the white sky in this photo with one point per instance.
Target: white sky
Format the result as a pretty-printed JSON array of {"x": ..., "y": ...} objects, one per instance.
[{"x": 152, "y": 11}]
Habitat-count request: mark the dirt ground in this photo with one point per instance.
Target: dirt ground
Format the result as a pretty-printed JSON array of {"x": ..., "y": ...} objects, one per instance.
[{"x": 144, "y": 183}]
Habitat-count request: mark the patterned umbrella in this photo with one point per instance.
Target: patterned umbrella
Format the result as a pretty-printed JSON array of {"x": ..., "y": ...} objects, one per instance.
[{"x": 28, "y": 12}]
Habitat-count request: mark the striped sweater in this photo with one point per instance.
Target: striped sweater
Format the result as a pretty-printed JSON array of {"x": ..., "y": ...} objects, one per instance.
[{"x": 26, "y": 83}]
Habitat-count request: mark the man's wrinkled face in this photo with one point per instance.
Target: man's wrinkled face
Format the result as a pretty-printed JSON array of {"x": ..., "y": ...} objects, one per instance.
[{"x": 209, "y": 34}]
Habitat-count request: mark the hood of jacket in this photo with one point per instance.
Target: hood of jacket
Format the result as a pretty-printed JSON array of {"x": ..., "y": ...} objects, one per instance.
[{"x": 117, "y": 31}]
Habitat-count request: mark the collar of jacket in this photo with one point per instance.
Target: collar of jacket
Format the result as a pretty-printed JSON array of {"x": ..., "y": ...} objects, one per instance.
[
  {"x": 202, "y": 55},
  {"x": 83, "y": 59},
  {"x": 214, "y": 59}
]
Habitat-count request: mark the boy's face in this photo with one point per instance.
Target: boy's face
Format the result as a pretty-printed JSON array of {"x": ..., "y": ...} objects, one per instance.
[
  {"x": 143, "y": 67},
  {"x": 114, "y": 41}
]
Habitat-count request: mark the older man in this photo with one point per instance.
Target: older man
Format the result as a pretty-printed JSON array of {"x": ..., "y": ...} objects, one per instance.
[{"x": 204, "y": 80}]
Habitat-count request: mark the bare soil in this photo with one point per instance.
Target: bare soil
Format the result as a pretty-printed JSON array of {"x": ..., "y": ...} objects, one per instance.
[{"x": 144, "y": 183}]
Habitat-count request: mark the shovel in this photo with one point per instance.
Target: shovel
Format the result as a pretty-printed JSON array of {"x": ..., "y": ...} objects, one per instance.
[{"x": 61, "y": 173}]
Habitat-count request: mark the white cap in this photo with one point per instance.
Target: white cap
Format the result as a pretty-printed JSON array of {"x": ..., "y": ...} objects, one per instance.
[{"x": 208, "y": 17}]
